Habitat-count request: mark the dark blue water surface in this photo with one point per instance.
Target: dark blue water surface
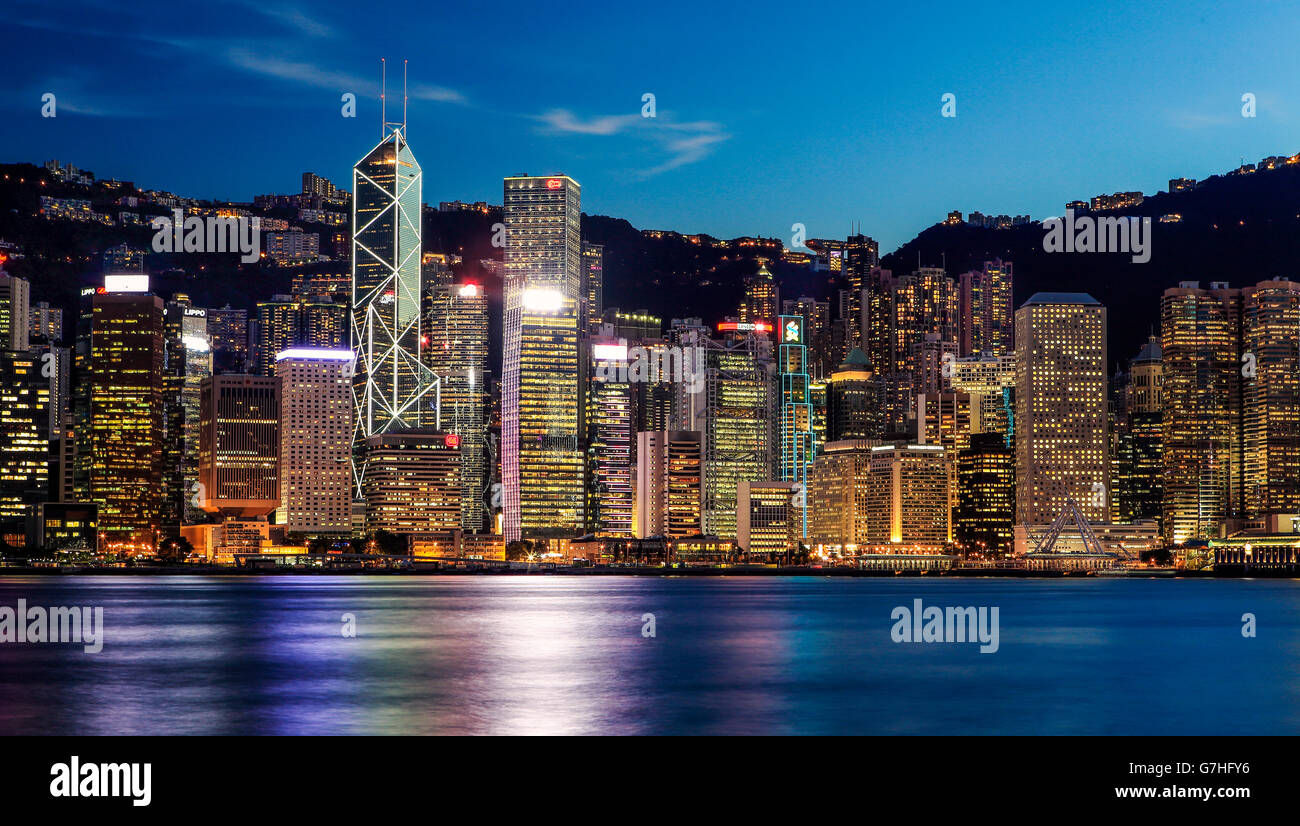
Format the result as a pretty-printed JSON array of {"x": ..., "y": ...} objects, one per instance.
[{"x": 566, "y": 655}]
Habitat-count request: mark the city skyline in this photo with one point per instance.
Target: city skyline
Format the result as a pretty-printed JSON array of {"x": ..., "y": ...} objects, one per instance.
[{"x": 847, "y": 127}]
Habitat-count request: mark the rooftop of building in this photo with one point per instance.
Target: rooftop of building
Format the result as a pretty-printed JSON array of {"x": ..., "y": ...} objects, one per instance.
[{"x": 1060, "y": 298}]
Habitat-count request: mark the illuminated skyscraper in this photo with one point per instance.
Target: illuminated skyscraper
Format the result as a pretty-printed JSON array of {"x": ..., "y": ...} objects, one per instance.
[
  {"x": 669, "y": 486},
  {"x": 990, "y": 381},
  {"x": 1061, "y": 418},
  {"x": 15, "y": 310},
  {"x": 984, "y": 519},
  {"x": 925, "y": 317},
  {"x": 1270, "y": 324},
  {"x": 768, "y": 519},
  {"x": 611, "y": 440},
  {"x": 24, "y": 437},
  {"x": 762, "y": 299},
  {"x": 298, "y": 321},
  {"x": 1137, "y": 442},
  {"x": 734, "y": 404},
  {"x": 125, "y": 418},
  {"x": 239, "y": 445},
  {"x": 414, "y": 484},
  {"x": 797, "y": 448},
  {"x": 861, "y": 256},
  {"x": 187, "y": 362},
  {"x": 315, "y": 440},
  {"x": 457, "y": 351},
  {"x": 837, "y": 483},
  {"x": 593, "y": 285},
  {"x": 986, "y": 311},
  {"x": 1201, "y": 371},
  {"x": 542, "y": 457},
  {"x": 855, "y": 401},
  {"x": 907, "y": 498},
  {"x": 391, "y": 385}
]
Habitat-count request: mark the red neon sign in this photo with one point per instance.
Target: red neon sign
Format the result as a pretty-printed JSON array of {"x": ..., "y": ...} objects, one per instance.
[
  {"x": 554, "y": 183},
  {"x": 452, "y": 440}
]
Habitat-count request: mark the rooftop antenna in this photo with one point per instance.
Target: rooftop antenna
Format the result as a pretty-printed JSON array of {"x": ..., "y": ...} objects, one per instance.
[
  {"x": 383, "y": 103},
  {"x": 404, "y": 98}
]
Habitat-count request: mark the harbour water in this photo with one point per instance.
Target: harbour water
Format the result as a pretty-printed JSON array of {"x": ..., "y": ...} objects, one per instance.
[{"x": 554, "y": 654}]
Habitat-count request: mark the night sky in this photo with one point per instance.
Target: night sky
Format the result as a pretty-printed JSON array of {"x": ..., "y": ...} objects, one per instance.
[{"x": 767, "y": 113}]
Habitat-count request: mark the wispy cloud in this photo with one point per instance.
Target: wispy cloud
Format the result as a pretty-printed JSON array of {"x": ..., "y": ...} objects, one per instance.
[
  {"x": 312, "y": 75},
  {"x": 683, "y": 142}
]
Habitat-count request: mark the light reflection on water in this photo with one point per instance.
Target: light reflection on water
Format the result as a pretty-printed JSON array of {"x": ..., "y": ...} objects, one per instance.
[{"x": 565, "y": 655}]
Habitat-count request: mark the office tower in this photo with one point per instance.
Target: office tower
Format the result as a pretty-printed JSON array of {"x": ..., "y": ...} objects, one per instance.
[
  {"x": 944, "y": 419},
  {"x": 239, "y": 445},
  {"x": 796, "y": 446},
  {"x": 46, "y": 322},
  {"x": 542, "y": 459},
  {"x": 15, "y": 311},
  {"x": 669, "y": 483},
  {"x": 288, "y": 321},
  {"x": 124, "y": 420},
  {"x": 228, "y": 335},
  {"x": 984, "y": 520},
  {"x": 1201, "y": 374},
  {"x": 24, "y": 437},
  {"x": 761, "y": 297},
  {"x": 390, "y": 383},
  {"x": 1271, "y": 398},
  {"x": 611, "y": 440},
  {"x": 816, "y": 320},
  {"x": 925, "y": 317},
  {"x": 456, "y": 321},
  {"x": 593, "y": 285},
  {"x": 412, "y": 484},
  {"x": 315, "y": 440},
  {"x": 187, "y": 361},
  {"x": 855, "y": 401},
  {"x": 1137, "y": 443},
  {"x": 878, "y": 320},
  {"x": 734, "y": 404},
  {"x": 986, "y": 311},
  {"x": 1061, "y": 439},
  {"x": 990, "y": 381},
  {"x": 861, "y": 256},
  {"x": 907, "y": 499},
  {"x": 769, "y": 518},
  {"x": 837, "y": 511}
]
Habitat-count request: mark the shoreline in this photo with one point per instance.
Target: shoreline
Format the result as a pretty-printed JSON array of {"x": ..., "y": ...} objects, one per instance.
[{"x": 738, "y": 571}]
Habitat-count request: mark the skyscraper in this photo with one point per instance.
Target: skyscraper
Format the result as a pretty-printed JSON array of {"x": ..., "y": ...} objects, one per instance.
[
  {"x": 315, "y": 440},
  {"x": 457, "y": 351},
  {"x": 24, "y": 437},
  {"x": 413, "y": 486},
  {"x": 1201, "y": 372},
  {"x": 669, "y": 490},
  {"x": 611, "y": 440},
  {"x": 1270, "y": 326},
  {"x": 187, "y": 361},
  {"x": 855, "y": 401},
  {"x": 390, "y": 382},
  {"x": 1061, "y": 420},
  {"x": 907, "y": 497},
  {"x": 15, "y": 311},
  {"x": 239, "y": 445},
  {"x": 986, "y": 311},
  {"x": 593, "y": 285},
  {"x": 542, "y": 460},
  {"x": 734, "y": 405},
  {"x": 984, "y": 519},
  {"x": 1137, "y": 451},
  {"x": 125, "y": 418},
  {"x": 796, "y": 445}
]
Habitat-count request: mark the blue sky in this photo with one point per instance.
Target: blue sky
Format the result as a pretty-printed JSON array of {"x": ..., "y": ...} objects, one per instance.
[{"x": 767, "y": 113}]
